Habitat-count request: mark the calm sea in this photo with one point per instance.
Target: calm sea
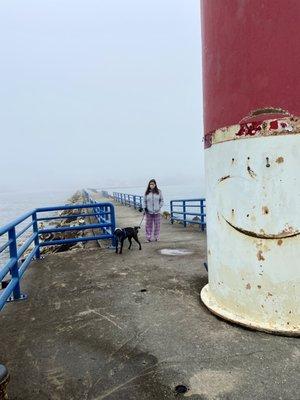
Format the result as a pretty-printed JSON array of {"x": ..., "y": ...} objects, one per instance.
[{"x": 14, "y": 204}]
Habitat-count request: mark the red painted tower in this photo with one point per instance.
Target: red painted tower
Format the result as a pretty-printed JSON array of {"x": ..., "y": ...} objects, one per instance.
[
  {"x": 251, "y": 58},
  {"x": 252, "y": 159}
]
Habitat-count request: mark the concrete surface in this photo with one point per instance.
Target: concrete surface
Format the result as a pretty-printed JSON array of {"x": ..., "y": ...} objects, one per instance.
[{"x": 89, "y": 330}]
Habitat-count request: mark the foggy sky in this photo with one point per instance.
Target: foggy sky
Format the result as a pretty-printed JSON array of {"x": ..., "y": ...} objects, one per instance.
[{"x": 99, "y": 92}]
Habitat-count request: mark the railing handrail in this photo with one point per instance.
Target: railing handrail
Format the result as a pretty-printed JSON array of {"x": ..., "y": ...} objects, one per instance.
[
  {"x": 183, "y": 203},
  {"x": 198, "y": 199},
  {"x": 134, "y": 200},
  {"x": 70, "y": 207},
  {"x": 4, "y": 229}
]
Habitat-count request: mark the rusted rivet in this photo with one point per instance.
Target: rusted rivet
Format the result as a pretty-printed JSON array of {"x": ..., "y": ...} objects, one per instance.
[
  {"x": 260, "y": 256},
  {"x": 265, "y": 210}
]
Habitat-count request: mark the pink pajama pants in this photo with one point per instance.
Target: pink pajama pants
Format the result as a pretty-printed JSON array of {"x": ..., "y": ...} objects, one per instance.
[{"x": 152, "y": 226}]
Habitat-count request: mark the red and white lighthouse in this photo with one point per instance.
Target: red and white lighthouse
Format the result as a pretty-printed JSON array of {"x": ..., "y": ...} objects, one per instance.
[{"x": 252, "y": 161}]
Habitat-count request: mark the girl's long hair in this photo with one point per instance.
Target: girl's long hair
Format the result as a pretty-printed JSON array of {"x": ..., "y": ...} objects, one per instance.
[{"x": 155, "y": 190}]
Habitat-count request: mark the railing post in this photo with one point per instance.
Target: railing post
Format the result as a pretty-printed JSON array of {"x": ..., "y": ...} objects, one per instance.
[
  {"x": 113, "y": 224},
  {"x": 202, "y": 214},
  {"x": 184, "y": 213},
  {"x": 171, "y": 211},
  {"x": 14, "y": 271},
  {"x": 36, "y": 240},
  {"x": 134, "y": 202}
]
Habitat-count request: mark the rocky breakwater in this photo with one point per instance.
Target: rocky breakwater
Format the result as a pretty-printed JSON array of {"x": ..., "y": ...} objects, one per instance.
[{"x": 68, "y": 219}]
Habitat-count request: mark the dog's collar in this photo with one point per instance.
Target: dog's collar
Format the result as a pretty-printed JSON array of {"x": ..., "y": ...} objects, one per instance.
[{"x": 122, "y": 230}]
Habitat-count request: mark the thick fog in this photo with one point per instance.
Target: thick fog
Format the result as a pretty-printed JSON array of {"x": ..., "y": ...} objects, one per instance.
[{"x": 100, "y": 93}]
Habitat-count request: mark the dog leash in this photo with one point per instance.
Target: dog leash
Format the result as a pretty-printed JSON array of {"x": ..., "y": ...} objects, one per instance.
[{"x": 142, "y": 221}]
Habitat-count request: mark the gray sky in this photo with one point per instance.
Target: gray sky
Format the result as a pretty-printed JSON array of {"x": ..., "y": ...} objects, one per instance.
[{"x": 99, "y": 92}]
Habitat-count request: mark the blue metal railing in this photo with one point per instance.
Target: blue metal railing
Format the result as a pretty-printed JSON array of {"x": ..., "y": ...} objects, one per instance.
[
  {"x": 184, "y": 210},
  {"x": 129, "y": 199},
  {"x": 100, "y": 213},
  {"x": 17, "y": 265}
]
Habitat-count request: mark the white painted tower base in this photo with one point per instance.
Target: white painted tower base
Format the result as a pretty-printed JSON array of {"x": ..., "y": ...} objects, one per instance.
[{"x": 253, "y": 226}]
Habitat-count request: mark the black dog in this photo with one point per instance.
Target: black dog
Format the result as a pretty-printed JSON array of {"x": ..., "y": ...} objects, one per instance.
[{"x": 129, "y": 233}]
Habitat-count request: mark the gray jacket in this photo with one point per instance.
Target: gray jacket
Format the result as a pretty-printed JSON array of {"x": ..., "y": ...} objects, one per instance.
[{"x": 153, "y": 202}]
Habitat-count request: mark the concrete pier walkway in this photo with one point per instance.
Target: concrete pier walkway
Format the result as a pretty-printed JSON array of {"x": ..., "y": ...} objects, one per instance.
[{"x": 98, "y": 325}]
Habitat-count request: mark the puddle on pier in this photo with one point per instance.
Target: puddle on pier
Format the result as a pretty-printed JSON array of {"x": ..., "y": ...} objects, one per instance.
[{"x": 175, "y": 252}]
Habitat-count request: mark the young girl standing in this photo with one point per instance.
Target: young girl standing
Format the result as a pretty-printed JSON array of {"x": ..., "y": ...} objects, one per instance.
[{"x": 153, "y": 202}]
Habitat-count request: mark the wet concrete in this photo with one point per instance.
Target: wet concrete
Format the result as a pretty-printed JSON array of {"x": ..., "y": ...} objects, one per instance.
[{"x": 98, "y": 325}]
